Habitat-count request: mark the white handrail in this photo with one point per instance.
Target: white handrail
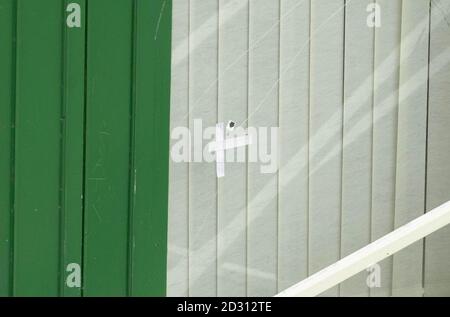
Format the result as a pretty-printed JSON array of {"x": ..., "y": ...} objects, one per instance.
[{"x": 371, "y": 254}]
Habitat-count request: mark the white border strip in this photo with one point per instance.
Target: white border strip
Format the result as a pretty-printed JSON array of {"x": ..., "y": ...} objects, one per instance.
[{"x": 371, "y": 254}]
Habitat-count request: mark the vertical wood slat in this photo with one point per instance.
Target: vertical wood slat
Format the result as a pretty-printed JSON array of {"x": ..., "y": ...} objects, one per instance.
[
  {"x": 203, "y": 54},
  {"x": 327, "y": 23},
  {"x": 38, "y": 148},
  {"x": 7, "y": 81},
  {"x": 386, "y": 81},
  {"x": 148, "y": 234},
  {"x": 106, "y": 227},
  {"x": 262, "y": 112},
  {"x": 73, "y": 146},
  {"x": 293, "y": 146},
  {"x": 178, "y": 241},
  {"x": 357, "y": 152},
  {"x": 232, "y": 189},
  {"x": 411, "y": 143},
  {"x": 437, "y": 255}
]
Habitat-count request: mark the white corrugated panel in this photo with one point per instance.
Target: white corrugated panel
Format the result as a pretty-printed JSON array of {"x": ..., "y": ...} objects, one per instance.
[{"x": 355, "y": 106}]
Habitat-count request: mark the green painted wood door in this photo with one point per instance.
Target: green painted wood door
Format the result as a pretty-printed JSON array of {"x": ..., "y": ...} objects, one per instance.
[{"x": 84, "y": 143}]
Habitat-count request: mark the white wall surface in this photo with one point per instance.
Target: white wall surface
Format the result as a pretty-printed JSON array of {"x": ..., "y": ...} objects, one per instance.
[{"x": 363, "y": 143}]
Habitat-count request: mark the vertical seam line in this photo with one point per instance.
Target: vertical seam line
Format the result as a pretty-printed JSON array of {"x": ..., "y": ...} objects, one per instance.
[
  {"x": 397, "y": 136},
  {"x": 426, "y": 143},
  {"x": 373, "y": 137},
  {"x": 342, "y": 137},
  {"x": 248, "y": 153},
  {"x": 13, "y": 146},
  {"x": 63, "y": 152},
  {"x": 277, "y": 282},
  {"x": 132, "y": 149},
  {"x": 190, "y": 152},
  {"x": 308, "y": 211},
  {"x": 85, "y": 127},
  {"x": 218, "y": 118}
]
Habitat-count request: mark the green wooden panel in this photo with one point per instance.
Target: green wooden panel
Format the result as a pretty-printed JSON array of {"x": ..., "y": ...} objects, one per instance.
[
  {"x": 73, "y": 142},
  {"x": 7, "y": 75},
  {"x": 84, "y": 137},
  {"x": 38, "y": 148},
  {"x": 149, "y": 188},
  {"x": 109, "y": 86}
]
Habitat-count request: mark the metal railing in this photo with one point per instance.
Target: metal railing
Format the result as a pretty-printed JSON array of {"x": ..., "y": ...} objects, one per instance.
[{"x": 373, "y": 253}]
